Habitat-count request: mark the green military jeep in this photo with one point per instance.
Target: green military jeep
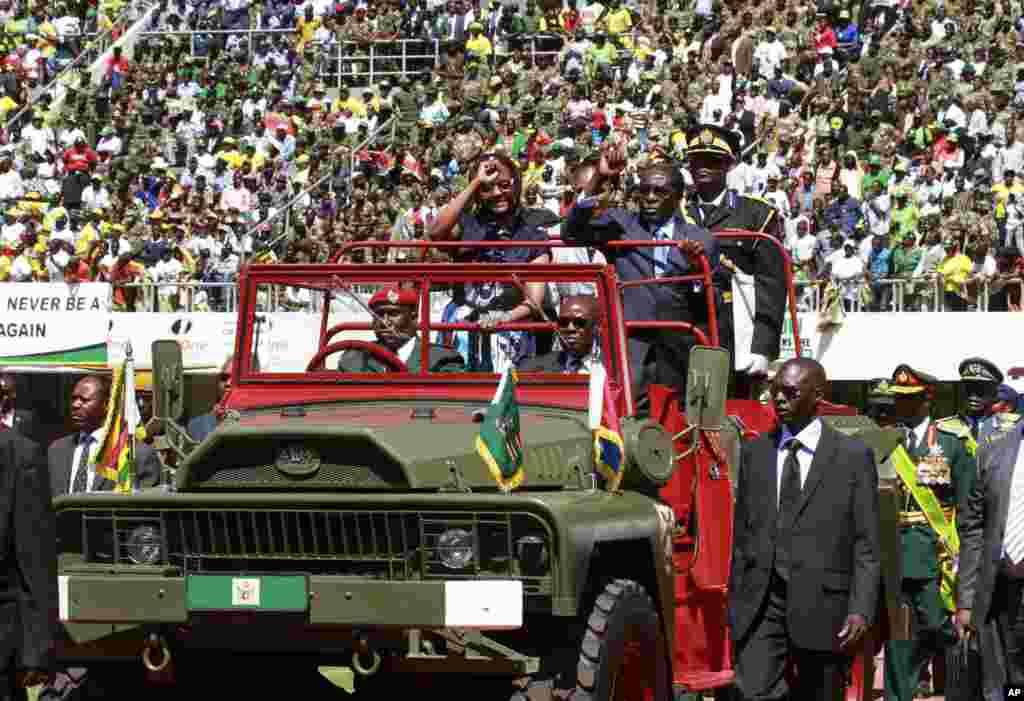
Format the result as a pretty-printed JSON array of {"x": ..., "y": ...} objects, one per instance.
[{"x": 343, "y": 518}]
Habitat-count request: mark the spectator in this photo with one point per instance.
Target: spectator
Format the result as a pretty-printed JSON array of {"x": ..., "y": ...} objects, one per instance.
[
  {"x": 953, "y": 271},
  {"x": 879, "y": 268}
]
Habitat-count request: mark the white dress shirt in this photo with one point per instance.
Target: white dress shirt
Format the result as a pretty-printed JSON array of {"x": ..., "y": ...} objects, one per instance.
[
  {"x": 809, "y": 438},
  {"x": 405, "y": 351},
  {"x": 90, "y": 466}
]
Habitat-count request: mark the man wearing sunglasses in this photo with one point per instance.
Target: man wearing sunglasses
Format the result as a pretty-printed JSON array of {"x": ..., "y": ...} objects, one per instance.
[
  {"x": 656, "y": 216},
  {"x": 578, "y": 316}
]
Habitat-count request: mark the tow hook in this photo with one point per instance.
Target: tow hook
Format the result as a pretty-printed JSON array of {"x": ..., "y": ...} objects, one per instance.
[
  {"x": 156, "y": 646},
  {"x": 365, "y": 660}
]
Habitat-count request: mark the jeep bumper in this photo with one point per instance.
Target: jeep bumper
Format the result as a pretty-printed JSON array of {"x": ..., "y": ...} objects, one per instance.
[{"x": 315, "y": 600}]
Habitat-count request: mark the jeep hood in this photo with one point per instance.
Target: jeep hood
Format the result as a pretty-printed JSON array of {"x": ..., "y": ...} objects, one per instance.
[{"x": 374, "y": 447}]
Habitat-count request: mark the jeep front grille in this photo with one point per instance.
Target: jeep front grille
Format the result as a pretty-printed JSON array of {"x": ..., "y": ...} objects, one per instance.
[{"x": 396, "y": 545}]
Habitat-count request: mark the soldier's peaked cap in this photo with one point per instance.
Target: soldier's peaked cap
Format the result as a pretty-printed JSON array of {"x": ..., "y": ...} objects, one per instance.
[
  {"x": 712, "y": 140},
  {"x": 907, "y": 380},
  {"x": 980, "y": 370}
]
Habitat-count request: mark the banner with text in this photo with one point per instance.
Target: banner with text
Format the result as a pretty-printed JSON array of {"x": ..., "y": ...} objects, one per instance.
[
  {"x": 206, "y": 339},
  {"x": 58, "y": 338},
  {"x": 53, "y": 323},
  {"x": 52, "y": 297}
]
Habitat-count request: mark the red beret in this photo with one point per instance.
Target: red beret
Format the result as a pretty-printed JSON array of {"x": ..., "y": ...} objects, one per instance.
[{"x": 404, "y": 297}]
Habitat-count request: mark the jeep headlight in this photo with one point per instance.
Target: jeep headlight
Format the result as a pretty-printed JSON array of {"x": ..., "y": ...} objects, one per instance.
[
  {"x": 144, "y": 546},
  {"x": 455, "y": 548}
]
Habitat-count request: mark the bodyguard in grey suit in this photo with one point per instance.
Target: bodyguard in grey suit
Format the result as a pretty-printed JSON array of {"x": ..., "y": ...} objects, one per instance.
[
  {"x": 68, "y": 456},
  {"x": 989, "y": 594},
  {"x": 657, "y": 197}
]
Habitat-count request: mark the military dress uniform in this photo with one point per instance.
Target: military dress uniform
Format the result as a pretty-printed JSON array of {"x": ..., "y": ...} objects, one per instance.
[
  {"x": 948, "y": 470},
  {"x": 972, "y": 431},
  {"x": 761, "y": 259}
]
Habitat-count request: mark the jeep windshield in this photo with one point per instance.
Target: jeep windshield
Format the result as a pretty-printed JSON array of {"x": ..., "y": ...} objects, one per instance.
[{"x": 367, "y": 323}]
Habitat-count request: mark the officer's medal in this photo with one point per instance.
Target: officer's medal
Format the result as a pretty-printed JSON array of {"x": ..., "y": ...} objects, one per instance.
[{"x": 933, "y": 469}]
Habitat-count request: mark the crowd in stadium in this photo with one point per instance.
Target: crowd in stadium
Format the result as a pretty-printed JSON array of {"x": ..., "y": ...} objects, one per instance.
[{"x": 885, "y": 134}]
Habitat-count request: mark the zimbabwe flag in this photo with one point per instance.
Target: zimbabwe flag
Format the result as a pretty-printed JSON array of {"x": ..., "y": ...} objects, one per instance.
[{"x": 115, "y": 455}]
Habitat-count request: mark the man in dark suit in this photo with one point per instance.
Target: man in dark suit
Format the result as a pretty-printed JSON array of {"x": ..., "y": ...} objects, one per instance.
[
  {"x": 989, "y": 595},
  {"x": 710, "y": 153},
  {"x": 578, "y": 316},
  {"x": 28, "y": 578},
  {"x": 395, "y": 325},
  {"x": 12, "y": 418},
  {"x": 71, "y": 469},
  {"x": 657, "y": 217},
  {"x": 805, "y": 566}
]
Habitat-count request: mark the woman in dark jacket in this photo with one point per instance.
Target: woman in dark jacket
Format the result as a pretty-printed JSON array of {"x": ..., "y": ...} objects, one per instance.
[{"x": 489, "y": 209}]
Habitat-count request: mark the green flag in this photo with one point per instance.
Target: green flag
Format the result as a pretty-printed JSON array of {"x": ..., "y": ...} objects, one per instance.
[{"x": 499, "y": 443}]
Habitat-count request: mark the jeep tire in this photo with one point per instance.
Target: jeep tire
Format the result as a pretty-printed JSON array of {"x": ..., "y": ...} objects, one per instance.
[{"x": 623, "y": 656}]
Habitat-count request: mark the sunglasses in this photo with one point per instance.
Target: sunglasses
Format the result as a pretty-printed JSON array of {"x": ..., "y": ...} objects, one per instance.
[{"x": 570, "y": 322}]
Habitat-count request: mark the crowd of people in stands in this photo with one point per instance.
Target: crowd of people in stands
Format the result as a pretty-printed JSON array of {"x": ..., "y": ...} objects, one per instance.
[{"x": 884, "y": 132}]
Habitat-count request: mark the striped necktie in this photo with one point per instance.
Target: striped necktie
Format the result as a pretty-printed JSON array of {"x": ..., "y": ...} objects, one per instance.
[
  {"x": 1014, "y": 538},
  {"x": 82, "y": 468}
]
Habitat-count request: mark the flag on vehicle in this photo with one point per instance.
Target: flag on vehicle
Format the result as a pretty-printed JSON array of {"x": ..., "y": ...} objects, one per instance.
[
  {"x": 115, "y": 455},
  {"x": 499, "y": 442},
  {"x": 609, "y": 448}
]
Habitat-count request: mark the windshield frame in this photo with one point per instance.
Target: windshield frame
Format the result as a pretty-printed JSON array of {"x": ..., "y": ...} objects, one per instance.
[{"x": 428, "y": 277}]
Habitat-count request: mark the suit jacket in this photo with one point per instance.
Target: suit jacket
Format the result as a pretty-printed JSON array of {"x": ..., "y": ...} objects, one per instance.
[
  {"x": 28, "y": 537},
  {"x": 982, "y": 526},
  {"x": 548, "y": 362},
  {"x": 25, "y": 423},
  {"x": 441, "y": 360},
  {"x": 835, "y": 568},
  {"x": 754, "y": 258},
  {"x": 62, "y": 452},
  {"x": 642, "y": 303}
]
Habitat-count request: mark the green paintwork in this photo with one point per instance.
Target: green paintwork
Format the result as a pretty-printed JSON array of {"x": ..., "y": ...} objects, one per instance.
[
  {"x": 390, "y": 450},
  {"x": 374, "y": 603},
  {"x": 113, "y": 599},
  {"x": 215, "y": 592}
]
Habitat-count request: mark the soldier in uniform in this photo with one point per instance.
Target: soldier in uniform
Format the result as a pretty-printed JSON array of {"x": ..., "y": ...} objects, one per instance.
[
  {"x": 711, "y": 152},
  {"x": 976, "y": 424},
  {"x": 946, "y": 471},
  {"x": 407, "y": 110}
]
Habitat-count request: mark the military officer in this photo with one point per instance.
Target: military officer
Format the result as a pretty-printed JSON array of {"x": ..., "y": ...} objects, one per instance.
[
  {"x": 932, "y": 494},
  {"x": 710, "y": 153},
  {"x": 976, "y": 424}
]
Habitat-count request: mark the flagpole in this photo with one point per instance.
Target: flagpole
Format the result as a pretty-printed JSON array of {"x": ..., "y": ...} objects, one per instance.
[{"x": 129, "y": 369}]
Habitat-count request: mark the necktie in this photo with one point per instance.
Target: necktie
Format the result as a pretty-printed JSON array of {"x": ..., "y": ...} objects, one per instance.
[
  {"x": 81, "y": 469},
  {"x": 789, "y": 499},
  {"x": 573, "y": 363},
  {"x": 663, "y": 233},
  {"x": 1014, "y": 538}
]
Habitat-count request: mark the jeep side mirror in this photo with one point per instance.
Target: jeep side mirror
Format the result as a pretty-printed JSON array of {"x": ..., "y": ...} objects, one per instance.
[
  {"x": 168, "y": 380},
  {"x": 706, "y": 386}
]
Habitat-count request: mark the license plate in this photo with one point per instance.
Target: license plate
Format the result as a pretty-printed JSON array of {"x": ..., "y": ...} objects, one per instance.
[{"x": 215, "y": 592}]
